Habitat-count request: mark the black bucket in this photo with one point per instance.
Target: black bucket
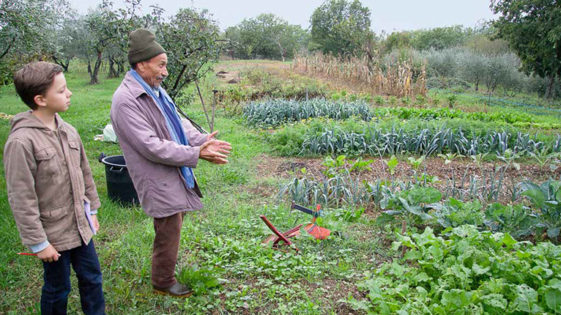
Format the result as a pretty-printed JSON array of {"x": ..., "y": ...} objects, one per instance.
[{"x": 119, "y": 183}]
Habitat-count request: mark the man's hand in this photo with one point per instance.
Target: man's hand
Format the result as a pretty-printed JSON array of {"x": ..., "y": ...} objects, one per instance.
[
  {"x": 48, "y": 254},
  {"x": 215, "y": 151},
  {"x": 212, "y": 135},
  {"x": 95, "y": 222}
]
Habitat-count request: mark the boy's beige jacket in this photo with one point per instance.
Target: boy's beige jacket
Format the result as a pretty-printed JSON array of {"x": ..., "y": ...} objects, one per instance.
[{"x": 48, "y": 179}]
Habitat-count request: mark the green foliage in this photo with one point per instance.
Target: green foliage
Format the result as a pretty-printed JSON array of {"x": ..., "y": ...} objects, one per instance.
[
  {"x": 379, "y": 100},
  {"x": 258, "y": 84},
  {"x": 547, "y": 198},
  {"x": 452, "y": 99},
  {"x": 288, "y": 141},
  {"x": 518, "y": 24},
  {"x": 410, "y": 204},
  {"x": 340, "y": 27},
  {"x": 272, "y": 113},
  {"x": 415, "y": 163},
  {"x": 341, "y": 166},
  {"x": 333, "y": 166},
  {"x": 392, "y": 164},
  {"x": 517, "y": 220},
  {"x": 439, "y": 38},
  {"x": 467, "y": 272},
  {"x": 376, "y": 141},
  {"x": 339, "y": 189},
  {"x": 454, "y": 213},
  {"x": 191, "y": 42},
  {"x": 200, "y": 280},
  {"x": 266, "y": 36},
  {"x": 28, "y": 27}
]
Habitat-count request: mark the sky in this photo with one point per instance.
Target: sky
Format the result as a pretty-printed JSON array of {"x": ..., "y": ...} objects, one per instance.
[{"x": 388, "y": 16}]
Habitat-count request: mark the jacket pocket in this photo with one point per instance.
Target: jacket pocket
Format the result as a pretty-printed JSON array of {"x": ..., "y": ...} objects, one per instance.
[
  {"x": 74, "y": 152},
  {"x": 53, "y": 215},
  {"x": 47, "y": 162}
]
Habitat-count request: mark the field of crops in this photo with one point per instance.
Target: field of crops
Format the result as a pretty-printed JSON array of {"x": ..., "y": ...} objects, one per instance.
[
  {"x": 434, "y": 207},
  {"x": 469, "y": 241}
]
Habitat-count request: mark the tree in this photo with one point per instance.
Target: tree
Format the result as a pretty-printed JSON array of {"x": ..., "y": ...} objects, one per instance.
[
  {"x": 191, "y": 41},
  {"x": 396, "y": 40},
  {"x": 26, "y": 31},
  {"x": 533, "y": 30},
  {"x": 439, "y": 38},
  {"x": 65, "y": 44},
  {"x": 25, "y": 24},
  {"x": 499, "y": 71},
  {"x": 341, "y": 27},
  {"x": 100, "y": 30},
  {"x": 266, "y": 36},
  {"x": 473, "y": 67}
]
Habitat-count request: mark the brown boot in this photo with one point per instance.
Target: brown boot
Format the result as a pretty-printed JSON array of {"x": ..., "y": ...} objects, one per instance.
[{"x": 177, "y": 290}]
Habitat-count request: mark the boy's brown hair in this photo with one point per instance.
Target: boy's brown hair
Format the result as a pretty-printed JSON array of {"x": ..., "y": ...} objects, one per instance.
[{"x": 35, "y": 79}]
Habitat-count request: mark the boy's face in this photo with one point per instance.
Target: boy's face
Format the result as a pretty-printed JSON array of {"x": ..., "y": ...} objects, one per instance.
[{"x": 57, "y": 97}]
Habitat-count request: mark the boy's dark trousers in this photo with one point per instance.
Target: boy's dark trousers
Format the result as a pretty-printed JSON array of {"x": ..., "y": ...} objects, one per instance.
[{"x": 54, "y": 297}]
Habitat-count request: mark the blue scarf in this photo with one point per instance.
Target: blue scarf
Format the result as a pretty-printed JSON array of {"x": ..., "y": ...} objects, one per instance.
[{"x": 173, "y": 122}]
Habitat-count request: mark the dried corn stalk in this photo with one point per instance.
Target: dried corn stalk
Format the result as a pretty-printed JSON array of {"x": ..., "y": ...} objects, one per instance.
[{"x": 396, "y": 79}]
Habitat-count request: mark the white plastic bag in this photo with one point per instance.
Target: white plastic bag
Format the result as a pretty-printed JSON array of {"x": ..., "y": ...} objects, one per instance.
[{"x": 109, "y": 134}]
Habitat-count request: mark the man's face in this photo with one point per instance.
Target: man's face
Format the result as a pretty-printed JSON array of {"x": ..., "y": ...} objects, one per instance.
[{"x": 154, "y": 70}]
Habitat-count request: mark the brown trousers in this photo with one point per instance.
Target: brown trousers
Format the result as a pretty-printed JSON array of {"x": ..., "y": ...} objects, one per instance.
[{"x": 165, "y": 250}]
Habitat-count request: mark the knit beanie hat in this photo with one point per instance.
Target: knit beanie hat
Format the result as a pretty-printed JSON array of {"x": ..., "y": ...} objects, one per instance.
[{"x": 143, "y": 46}]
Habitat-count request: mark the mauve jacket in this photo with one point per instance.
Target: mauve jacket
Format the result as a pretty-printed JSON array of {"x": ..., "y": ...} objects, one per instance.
[
  {"x": 152, "y": 157},
  {"x": 48, "y": 181}
]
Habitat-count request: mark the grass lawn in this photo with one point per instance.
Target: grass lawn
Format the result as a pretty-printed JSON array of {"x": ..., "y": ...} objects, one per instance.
[{"x": 221, "y": 253}]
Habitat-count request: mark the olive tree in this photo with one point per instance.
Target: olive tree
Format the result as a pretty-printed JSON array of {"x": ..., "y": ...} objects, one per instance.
[
  {"x": 26, "y": 31},
  {"x": 191, "y": 39}
]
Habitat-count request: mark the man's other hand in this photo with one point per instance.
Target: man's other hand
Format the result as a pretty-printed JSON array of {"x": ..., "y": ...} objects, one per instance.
[{"x": 215, "y": 151}]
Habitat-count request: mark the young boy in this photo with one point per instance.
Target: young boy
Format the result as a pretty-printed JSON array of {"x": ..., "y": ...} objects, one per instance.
[{"x": 51, "y": 190}]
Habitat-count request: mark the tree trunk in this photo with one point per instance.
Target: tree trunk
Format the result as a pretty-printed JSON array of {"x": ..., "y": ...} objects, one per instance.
[
  {"x": 89, "y": 67},
  {"x": 63, "y": 64},
  {"x": 476, "y": 85},
  {"x": 8, "y": 48},
  {"x": 112, "y": 72},
  {"x": 549, "y": 92},
  {"x": 120, "y": 67},
  {"x": 93, "y": 75},
  {"x": 282, "y": 52}
]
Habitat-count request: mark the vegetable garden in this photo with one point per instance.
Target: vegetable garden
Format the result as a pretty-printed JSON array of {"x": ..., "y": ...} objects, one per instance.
[{"x": 431, "y": 209}]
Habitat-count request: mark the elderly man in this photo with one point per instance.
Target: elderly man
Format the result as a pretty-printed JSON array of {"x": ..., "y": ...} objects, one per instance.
[{"x": 160, "y": 150}]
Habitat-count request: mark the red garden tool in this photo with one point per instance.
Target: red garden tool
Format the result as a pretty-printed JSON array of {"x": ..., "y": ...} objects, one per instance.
[
  {"x": 277, "y": 237},
  {"x": 313, "y": 229}
]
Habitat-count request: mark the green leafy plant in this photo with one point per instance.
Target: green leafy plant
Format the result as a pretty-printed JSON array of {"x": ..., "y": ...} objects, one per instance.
[
  {"x": 468, "y": 272},
  {"x": 454, "y": 213},
  {"x": 409, "y": 205},
  {"x": 547, "y": 198},
  {"x": 517, "y": 220},
  {"x": 449, "y": 157},
  {"x": 392, "y": 164},
  {"x": 200, "y": 280},
  {"x": 273, "y": 113},
  {"x": 415, "y": 163},
  {"x": 333, "y": 166},
  {"x": 452, "y": 99},
  {"x": 360, "y": 165}
]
